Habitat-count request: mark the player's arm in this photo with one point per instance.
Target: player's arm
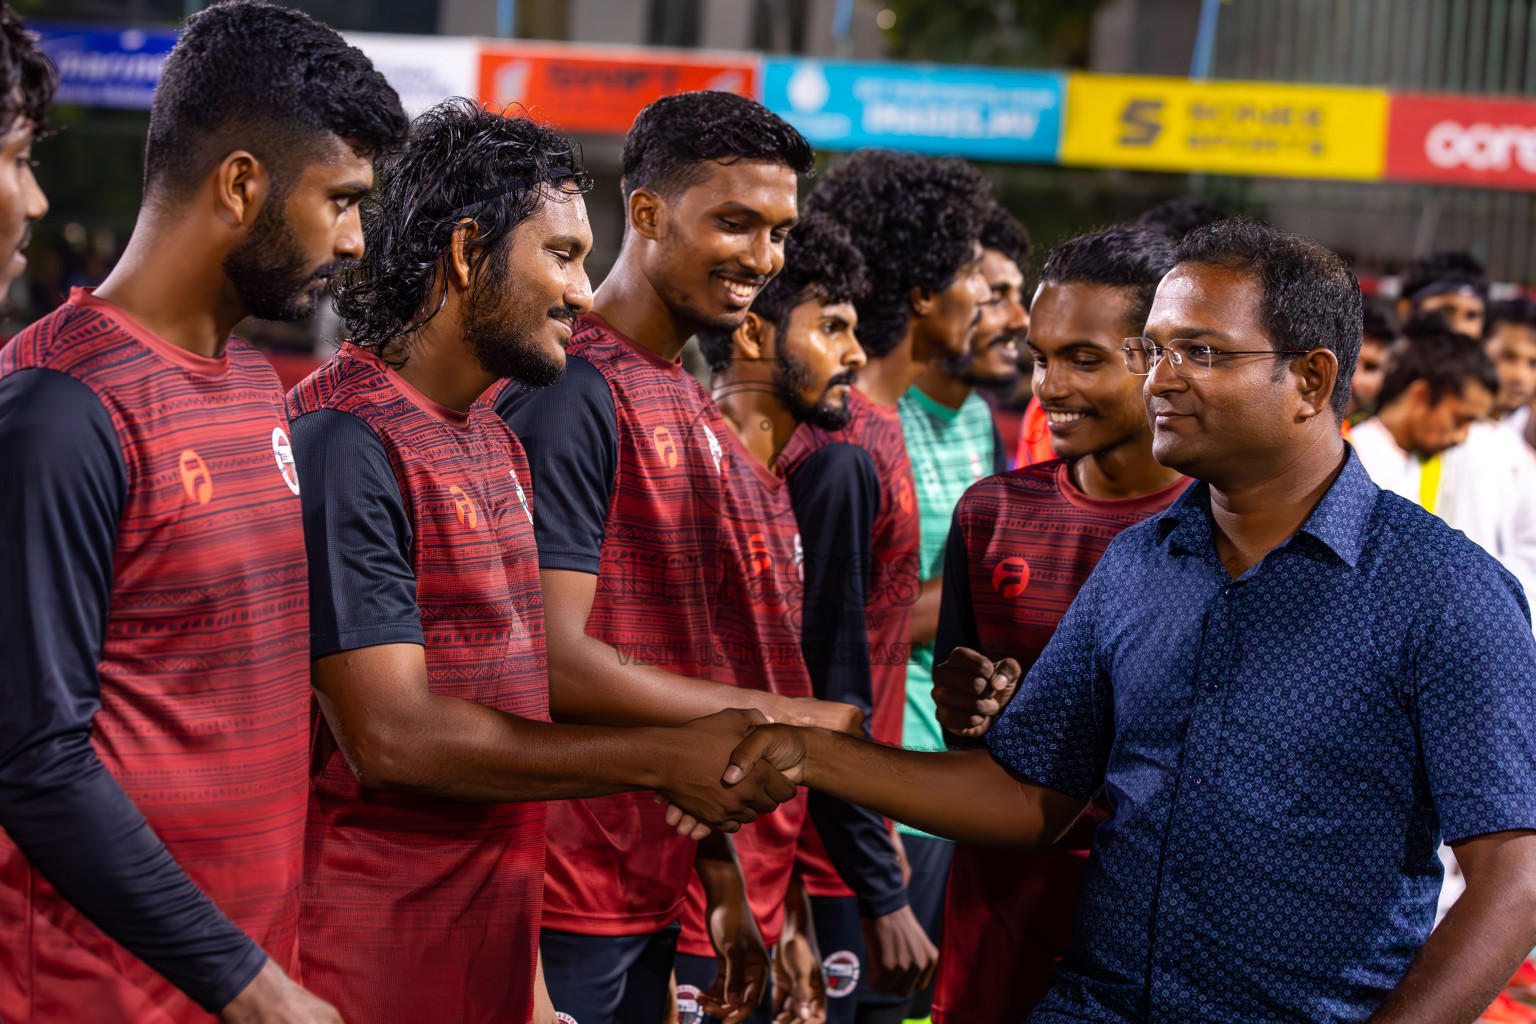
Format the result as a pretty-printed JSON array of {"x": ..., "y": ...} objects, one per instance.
[
  {"x": 570, "y": 433},
  {"x": 925, "y": 612},
  {"x": 62, "y": 488},
  {"x": 743, "y": 957},
  {"x": 370, "y": 669}
]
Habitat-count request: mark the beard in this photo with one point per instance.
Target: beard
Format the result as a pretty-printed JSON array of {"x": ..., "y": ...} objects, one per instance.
[
  {"x": 790, "y": 380},
  {"x": 270, "y": 272},
  {"x": 501, "y": 337},
  {"x": 963, "y": 369}
]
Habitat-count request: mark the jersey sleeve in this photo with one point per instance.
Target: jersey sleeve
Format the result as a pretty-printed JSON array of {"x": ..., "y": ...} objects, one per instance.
[
  {"x": 62, "y": 488},
  {"x": 836, "y": 496},
  {"x": 1000, "y": 455},
  {"x": 957, "y": 619},
  {"x": 362, "y": 589},
  {"x": 570, "y": 432}
]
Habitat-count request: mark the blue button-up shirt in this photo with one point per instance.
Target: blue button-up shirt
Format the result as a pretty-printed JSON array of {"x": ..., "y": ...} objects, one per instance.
[{"x": 1282, "y": 754}]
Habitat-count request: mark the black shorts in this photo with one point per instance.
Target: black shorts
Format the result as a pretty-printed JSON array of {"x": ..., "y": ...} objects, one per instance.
[{"x": 609, "y": 979}]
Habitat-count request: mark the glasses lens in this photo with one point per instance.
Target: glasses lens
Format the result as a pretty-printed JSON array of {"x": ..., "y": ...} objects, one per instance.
[{"x": 1138, "y": 358}]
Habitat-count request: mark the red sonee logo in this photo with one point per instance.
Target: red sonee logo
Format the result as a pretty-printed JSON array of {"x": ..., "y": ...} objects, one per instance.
[
  {"x": 757, "y": 549},
  {"x": 841, "y": 970},
  {"x": 666, "y": 448},
  {"x": 195, "y": 478},
  {"x": 463, "y": 507},
  {"x": 1011, "y": 576}
]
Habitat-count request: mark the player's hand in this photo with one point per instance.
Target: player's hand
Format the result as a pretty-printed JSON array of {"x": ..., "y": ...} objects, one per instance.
[
  {"x": 825, "y": 714},
  {"x": 693, "y": 786},
  {"x": 901, "y": 956},
  {"x": 778, "y": 749},
  {"x": 274, "y": 998},
  {"x": 742, "y": 974},
  {"x": 970, "y": 691},
  {"x": 799, "y": 987}
]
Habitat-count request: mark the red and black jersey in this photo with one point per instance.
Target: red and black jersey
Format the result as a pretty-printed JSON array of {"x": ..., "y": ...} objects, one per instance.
[
  {"x": 853, "y": 494},
  {"x": 186, "y": 677},
  {"x": 757, "y": 630},
  {"x": 1020, "y": 548},
  {"x": 417, "y": 907},
  {"x": 627, "y": 457}
]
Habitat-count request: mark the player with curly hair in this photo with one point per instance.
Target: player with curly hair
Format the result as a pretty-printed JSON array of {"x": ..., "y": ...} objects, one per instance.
[
  {"x": 27, "y": 82},
  {"x": 916, "y": 222},
  {"x": 627, "y": 459}
]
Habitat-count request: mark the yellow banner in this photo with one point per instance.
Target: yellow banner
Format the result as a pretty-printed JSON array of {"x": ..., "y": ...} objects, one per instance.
[{"x": 1173, "y": 124}]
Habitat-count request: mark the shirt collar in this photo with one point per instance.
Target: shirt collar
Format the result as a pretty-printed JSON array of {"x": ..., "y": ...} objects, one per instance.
[{"x": 1339, "y": 521}]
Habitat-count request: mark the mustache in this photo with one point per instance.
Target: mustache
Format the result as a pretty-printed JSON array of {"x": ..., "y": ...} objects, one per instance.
[
  {"x": 1006, "y": 337},
  {"x": 333, "y": 269},
  {"x": 736, "y": 274},
  {"x": 847, "y": 378},
  {"x": 564, "y": 313}
]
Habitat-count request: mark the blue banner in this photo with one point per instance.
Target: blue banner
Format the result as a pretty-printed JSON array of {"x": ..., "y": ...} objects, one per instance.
[
  {"x": 103, "y": 66},
  {"x": 985, "y": 113}
]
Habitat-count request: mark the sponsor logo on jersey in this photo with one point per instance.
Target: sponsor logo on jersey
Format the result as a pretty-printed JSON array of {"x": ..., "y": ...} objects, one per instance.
[
  {"x": 715, "y": 451},
  {"x": 977, "y": 470},
  {"x": 666, "y": 448},
  {"x": 463, "y": 507},
  {"x": 195, "y": 478},
  {"x": 688, "y": 1011},
  {"x": 842, "y": 973},
  {"x": 522, "y": 498},
  {"x": 799, "y": 559},
  {"x": 1011, "y": 576},
  {"x": 904, "y": 495},
  {"x": 282, "y": 451},
  {"x": 757, "y": 549},
  {"x": 564, "y": 1018}
]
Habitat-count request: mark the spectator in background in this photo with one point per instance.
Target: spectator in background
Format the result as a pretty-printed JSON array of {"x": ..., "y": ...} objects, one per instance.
[
  {"x": 1511, "y": 344},
  {"x": 1376, "y": 341},
  {"x": 1178, "y": 217},
  {"x": 1453, "y": 284}
]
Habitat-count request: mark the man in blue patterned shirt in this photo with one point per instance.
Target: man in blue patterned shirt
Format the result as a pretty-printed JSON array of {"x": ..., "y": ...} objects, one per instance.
[{"x": 1290, "y": 686}]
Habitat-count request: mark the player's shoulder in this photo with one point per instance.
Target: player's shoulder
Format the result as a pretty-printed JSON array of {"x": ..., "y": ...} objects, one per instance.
[
  {"x": 1039, "y": 482},
  {"x": 344, "y": 384},
  {"x": 583, "y": 386},
  {"x": 73, "y": 339}
]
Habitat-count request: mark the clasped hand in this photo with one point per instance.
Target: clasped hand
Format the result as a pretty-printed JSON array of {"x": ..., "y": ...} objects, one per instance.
[{"x": 699, "y": 800}]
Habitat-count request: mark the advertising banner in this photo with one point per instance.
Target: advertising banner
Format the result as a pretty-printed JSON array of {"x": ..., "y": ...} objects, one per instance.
[
  {"x": 1174, "y": 124},
  {"x": 984, "y": 113},
  {"x": 423, "y": 69},
  {"x": 103, "y": 66},
  {"x": 1458, "y": 140},
  {"x": 599, "y": 91}
]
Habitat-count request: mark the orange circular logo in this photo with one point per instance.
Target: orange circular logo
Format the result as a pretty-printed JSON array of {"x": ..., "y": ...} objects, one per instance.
[
  {"x": 1011, "y": 576},
  {"x": 904, "y": 495},
  {"x": 666, "y": 448},
  {"x": 195, "y": 478},
  {"x": 463, "y": 507}
]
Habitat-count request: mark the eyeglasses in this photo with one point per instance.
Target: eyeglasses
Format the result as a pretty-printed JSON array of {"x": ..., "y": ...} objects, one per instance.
[{"x": 1191, "y": 360}]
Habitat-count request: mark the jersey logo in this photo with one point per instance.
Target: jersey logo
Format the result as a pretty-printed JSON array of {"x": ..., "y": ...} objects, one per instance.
[
  {"x": 463, "y": 507},
  {"x": 761, "y": 560},
  {"x": 564, "y": 1018},
  {"x": 666, "y": 448},
  {"x": 904, "y": 495},
  {"x": 976, "y": 467},
  {"x": 715, "y": 451},
  {"x": 282, "y": 451},
  {"x": 522, "y": 499},
  {"x": 195, "y": 477},
  {"x": 799, "y": 560},
  {"x": 841, "y": 970},
  {"x": 1011, "y": 576},
  {"x": 688, "y": 1011}
]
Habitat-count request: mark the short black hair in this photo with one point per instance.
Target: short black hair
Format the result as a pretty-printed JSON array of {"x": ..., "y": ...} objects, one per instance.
[
  {"x": 1311, "y": 298},
  {"x": 1004, "y": 232},
  {"x": 673, "y": 138},
  {"x": 916, "y": 221},
  {"x": 1518, "y": 310},
  {"x": 1127, "y": 257},
  {"x": 1455, "y": 269},
  {"x": 820, "y": 262},
  {"x": 1379, "y": 322},
  {"x": 1178, "y": 217},
  {"x": 462, "y": 160},
  {"x": 25, "y": 70},
  {"x": 252, "y": 75},
  {"x": 1442, "y": 358}
]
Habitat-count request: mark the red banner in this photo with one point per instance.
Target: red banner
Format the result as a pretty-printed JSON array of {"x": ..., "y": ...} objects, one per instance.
[
  {"x": 1462, "y": 141},
  {"x": 600, "y": 92}
]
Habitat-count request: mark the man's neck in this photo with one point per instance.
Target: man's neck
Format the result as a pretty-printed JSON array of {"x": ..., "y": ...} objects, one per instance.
[
  {"x": 442, "y": 367},
  {"x": 172, "y": 281},
  {"x": 756, "y": 414},
  {"x": 1395, "y": 419},
  {"x": 630, "y": 304},
  {"x": 1262, "y": 509},
  {"x": 886, "y": 378},
  {"x": 942, "y": 386},
  {"x": 1126, "y": 470}
]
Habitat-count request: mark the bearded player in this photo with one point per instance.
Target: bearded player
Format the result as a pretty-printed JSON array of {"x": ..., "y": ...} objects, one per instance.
[
  {"x": 156, "y": 635},
  {"x": 1020, "y": 548},
  {"x": 627, "y": 456}
]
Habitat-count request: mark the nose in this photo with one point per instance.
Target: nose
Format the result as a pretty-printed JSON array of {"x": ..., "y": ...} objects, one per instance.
[
  {"x": 853, "y": 356},
  {"x": 761, "y": 254},
  {"x": 349, "y": 238},
  {"x": 1048, "y": 382},
  {"x": 35, "y": 203},
  {"x": 1018, "y": 316},
  {"x": 1162, "y": 380},
  {"x": 578, "y": 293}
]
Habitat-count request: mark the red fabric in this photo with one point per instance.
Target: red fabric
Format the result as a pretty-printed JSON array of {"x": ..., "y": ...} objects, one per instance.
[
  {"x": 1034, "y": 437},
  {"x": 205, "y": 666},
  {"x": 1031, "y": 539},
  {"x": 615, "y": 867},
  {"x": 757, "y": 630},
  {"x": 415, "y": 907},
  {"x": 895, "y": 582}
]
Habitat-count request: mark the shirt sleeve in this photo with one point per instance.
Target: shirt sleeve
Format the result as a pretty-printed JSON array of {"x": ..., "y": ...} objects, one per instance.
[
  {"x": 62, "y": 488},
  {"x": 836, "y": 495},
  {"x": 1000, "y": 457},
  {"x": 570, "y": 432},
  {"x": 957, "y": 619},
  {"x": 1474, "y": 670},
  {"x": 362, "y": 589},
  {"x": 1058, "y": 729}
]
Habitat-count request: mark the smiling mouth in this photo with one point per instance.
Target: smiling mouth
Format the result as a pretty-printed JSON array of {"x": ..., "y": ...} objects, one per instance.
[
  {"x": 1064, "y": 419},
  {"x": 739, "y": 289}
]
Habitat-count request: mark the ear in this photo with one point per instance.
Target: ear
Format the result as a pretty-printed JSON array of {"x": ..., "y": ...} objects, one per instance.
[
  {"x": 457, "y": 257},
  {"x": 647, "y": 210},
  {"x": 1404, "y": 310},
  {"x": 923, "y": 301},
  {"x": 1318, "y": 371},
  {"x": 753, "y": 339},
  {"x": 242, "y": 184},
  {"x": 1418, "y": 394}
]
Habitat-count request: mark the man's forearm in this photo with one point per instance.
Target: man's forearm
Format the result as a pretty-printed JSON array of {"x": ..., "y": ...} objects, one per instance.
[
  {"x": 961, "y": 795},
  {"x": 925, "y": 613}
]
